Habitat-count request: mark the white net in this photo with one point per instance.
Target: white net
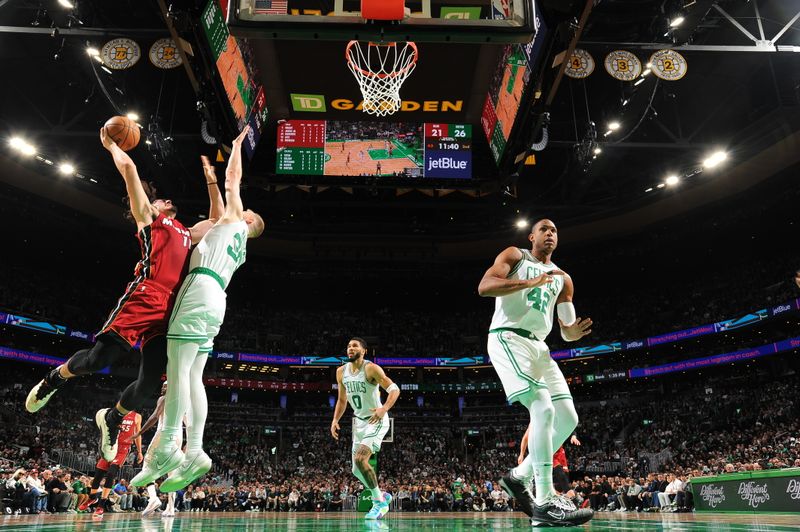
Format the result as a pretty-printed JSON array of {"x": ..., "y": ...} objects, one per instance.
[{"x": 380, "y": 70}]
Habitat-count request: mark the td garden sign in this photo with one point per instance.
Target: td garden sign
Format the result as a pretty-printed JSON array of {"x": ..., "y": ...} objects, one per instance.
[
  {"x": 318, "y": 103},
  {"x": 757, "y": 491}
]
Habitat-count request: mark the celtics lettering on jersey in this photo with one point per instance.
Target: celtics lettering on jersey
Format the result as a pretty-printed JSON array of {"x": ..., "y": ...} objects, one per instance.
[
  {"x": 222, "y": 250},
  {"x": 362, "y": 395},
  {"x": 531, "y": 309}
]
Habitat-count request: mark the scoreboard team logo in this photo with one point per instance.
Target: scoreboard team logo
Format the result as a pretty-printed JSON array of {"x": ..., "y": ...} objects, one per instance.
[
  {"x": 164, "y": 54},
  {"x": 623, "y": 65},
  {"x": 119, "y": 54}
]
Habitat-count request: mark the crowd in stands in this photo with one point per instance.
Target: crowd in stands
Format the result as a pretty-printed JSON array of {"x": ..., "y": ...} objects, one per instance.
[{"x": 636, "y": 454}]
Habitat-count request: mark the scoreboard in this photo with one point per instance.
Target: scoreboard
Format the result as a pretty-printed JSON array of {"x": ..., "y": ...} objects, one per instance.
[
  {"x": 448, "y": 150},
  {"x": 319, "y": 147}
]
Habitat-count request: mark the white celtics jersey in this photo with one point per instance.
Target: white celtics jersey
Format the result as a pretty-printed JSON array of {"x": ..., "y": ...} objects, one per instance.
[
  {"x": 221, "y": 251},
  {"x": 362, "y": 395},
  {"x": 531, "y": 309}
]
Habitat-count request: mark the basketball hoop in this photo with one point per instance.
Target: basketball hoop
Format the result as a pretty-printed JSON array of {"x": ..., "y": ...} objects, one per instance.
[{"x": 380, "y": 70}]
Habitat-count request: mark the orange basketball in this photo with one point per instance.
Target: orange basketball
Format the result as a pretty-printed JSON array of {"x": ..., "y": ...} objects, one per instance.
[{"x": 123, "y": 131}]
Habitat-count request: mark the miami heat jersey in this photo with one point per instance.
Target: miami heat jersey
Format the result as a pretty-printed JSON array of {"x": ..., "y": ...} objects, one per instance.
[
  {"x": 127, "y": 428},
  {"x": 165, "y": 245}
]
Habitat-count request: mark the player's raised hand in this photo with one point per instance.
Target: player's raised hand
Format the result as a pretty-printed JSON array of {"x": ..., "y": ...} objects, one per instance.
[
  {"x": 106, "y": 139},
  {"x": 544, "y": 279},
  {"x": 577, "y": 330},
  {"x": 377, "y": 415},
  {"x": 238, "y": 140},
  {"x": 335, "y": 430},
  {"x": 208, "y": 169},
  {"x": 575, "y": 441}
]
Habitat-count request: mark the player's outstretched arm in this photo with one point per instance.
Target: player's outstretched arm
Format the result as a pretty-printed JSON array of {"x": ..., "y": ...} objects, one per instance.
[
  {"x": 152, "y": 420},
  {"x": 234, "y": 211},
  {"x": 523, "y": 446},
  {"x": 138, "y": 438},
  {"x": 495, "y": 282},
  {"x": 341, "y": 404},
  {"x": 143, "y": 211},
  {"x": 375, "y": 373},
  {"x": 216, "y": 205},
  {"x": 573, "y": 328}
]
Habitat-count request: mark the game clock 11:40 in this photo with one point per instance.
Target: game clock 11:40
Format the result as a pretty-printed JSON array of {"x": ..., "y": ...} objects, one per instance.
[{"x": 448, "y": 151}]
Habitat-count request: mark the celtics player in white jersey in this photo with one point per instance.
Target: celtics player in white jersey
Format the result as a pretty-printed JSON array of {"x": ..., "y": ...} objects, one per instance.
[
  {"x": 360, "y": 382},
  {"x": 528, "y": 288},
  {"x": 195, "y": 321}
]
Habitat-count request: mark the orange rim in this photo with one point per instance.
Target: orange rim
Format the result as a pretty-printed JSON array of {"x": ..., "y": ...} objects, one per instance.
[{"x": 370, "y": 74}]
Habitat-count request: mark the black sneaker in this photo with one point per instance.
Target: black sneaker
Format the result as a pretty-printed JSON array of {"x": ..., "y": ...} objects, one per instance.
[
  {"x": 39, "y": 395},
  {"x": 556, "y": 512},
  {"x": 109, "y": 430},
  {"x": 519, "y": 490}
]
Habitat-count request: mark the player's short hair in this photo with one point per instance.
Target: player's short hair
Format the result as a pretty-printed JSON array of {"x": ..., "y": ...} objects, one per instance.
[
  {"x": 360, "y": 341},
  {"x": 151, "y": 192},
  {"x": 538, "y": 220}
]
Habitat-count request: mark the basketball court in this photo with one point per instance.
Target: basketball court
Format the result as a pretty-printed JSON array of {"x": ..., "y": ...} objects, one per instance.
[{"x": 399, "y": 522}]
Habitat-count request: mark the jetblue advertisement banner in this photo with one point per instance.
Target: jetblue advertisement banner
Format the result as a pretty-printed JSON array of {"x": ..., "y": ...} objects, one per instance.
[{"x": 448, "y": 164}]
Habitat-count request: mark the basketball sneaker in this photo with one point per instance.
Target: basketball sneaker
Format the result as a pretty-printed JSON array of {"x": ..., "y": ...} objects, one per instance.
[
  {"x": 157, "y": 463},
  {"x": 39, "y": 395},
  {"x": 519, "y": 490},
  {"x": 98, "y": 512},
  {"x": 152, "y": 506},
  {"x": 91, "y": 501},
  {"x": 557, "y": 512},
  {"x": 108, "y": 435},
  {"x": 193, "y": 467},
  {"x": 168, "y": 513},
  {"x": 379, "y": 508}
]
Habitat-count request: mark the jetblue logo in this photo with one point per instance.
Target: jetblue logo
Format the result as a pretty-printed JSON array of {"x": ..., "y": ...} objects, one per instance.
[
  {"x": 455, "y": 164},
  {"x": 634, "y": 344},
  {"x": 781, "y": 309},
  {"x": 78, "y": 334},
  {"x": 227, "y": 356}
]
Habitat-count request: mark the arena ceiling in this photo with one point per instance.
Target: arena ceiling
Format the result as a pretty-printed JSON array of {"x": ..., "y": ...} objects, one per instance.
[{"x": 739, "y": 95}]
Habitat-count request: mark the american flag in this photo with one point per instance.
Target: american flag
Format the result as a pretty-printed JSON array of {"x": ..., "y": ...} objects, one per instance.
[{"x": 271, "y": 7}]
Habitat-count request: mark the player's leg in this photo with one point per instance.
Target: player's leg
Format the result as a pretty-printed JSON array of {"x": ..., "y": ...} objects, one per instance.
[
  {"x": 539, "y": 462},
  {"x": 196, "y": 462},
  {"x": 107, "y": 350},
  {"x": 165, "y": 453},
  {"x": 94, "y": 487},
  {"x": 170, "y": 509},
  {"x": 565, "y": 417},
  {"x": 110, "y": 478}
]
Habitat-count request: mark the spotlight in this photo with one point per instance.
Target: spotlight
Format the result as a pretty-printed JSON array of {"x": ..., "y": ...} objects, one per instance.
[
  {"x": 92, "y": 51},
  {"x": 672, "y": 180},
  {"x": 714, "y": 159},
  {"x": 133, "y": 116},
  {"x": 677, "y": 21},
  {"x": 22, "y": 146},
  {"x": 660, "y": 185},
  {"x": 649, "y": 189},
  {"x": 625, "y": 102},
  {"x": 67, "y": 4},
  {"x": 522, "y": 224},
  {"x": 66, "y": 168},
  {"x": 613, "y": 126},
  {"x": 598, "y": 150},
  {"x": 646, "y": 72},
  {"x": 607, "y": 133},
  {"x": 641, "y": 80}
]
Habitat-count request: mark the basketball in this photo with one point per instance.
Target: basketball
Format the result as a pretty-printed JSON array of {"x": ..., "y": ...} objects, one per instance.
[{"x": 123, "y": 131}]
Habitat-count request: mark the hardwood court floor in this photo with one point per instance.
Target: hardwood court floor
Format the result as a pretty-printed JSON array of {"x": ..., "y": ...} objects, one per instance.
[{"x": 398, "y": 522}]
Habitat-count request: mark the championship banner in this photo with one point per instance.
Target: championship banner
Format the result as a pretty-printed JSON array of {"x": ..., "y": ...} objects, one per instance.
[
  {"x": 164, "y": 54},
  {"x": 120, "y": 54},
  {"x": 756, "y": 491}
]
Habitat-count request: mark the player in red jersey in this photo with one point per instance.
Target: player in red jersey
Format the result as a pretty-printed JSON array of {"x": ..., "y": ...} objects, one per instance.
[
  {"x": 128, "y": 435},
  {"x": 560, "y": 465},
  {"x": 142, "y": 313}
]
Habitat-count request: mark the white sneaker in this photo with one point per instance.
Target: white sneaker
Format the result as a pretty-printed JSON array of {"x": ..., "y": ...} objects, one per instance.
[
  {"x": 192, "y": 468},
  {"x": 152, "y": 506},
  {"x": 168, "y": 513},
  {"x": 108, "y": 435},
  {"x": 158, "y": 462}
]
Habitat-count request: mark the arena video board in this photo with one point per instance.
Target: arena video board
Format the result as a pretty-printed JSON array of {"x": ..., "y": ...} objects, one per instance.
[
  {"x": 339, "y": 148},
  {"x": 508, "y": 87}
]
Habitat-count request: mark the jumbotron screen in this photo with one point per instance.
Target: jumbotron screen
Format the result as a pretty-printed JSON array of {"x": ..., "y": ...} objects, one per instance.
[{"x": 336, "y": 148}]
